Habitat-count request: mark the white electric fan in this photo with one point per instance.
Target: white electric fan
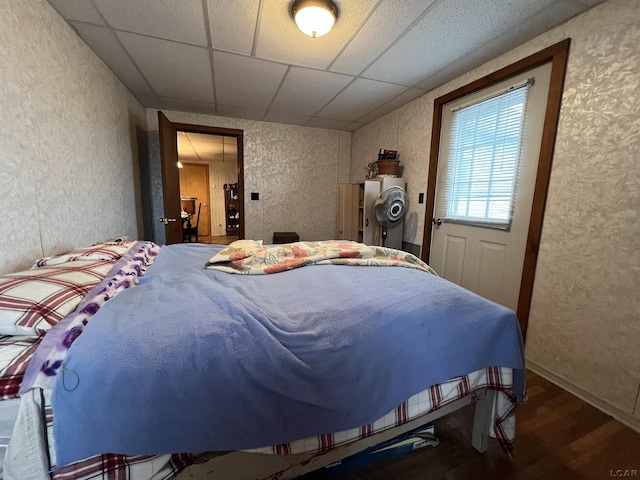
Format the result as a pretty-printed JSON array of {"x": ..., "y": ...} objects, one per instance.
[{"x": 390, "y": 207}]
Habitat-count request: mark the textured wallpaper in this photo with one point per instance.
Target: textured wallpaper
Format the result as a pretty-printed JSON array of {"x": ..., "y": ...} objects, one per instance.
[
  {"x": 296, "y": 170},
  {"x": 68, "y": 169},
  {"x": 584, "y": 327},
  {"x": 586, "y": 310}
]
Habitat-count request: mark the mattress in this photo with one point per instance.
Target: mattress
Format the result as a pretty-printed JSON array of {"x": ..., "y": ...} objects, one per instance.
[
  {"x": 8, "y": 415},
  {"x": 15, "y": 352},
  {"x": 32, "y": 454}
]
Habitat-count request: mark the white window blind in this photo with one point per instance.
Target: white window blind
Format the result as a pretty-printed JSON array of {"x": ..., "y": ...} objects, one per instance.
[{"x": 484, "y": 159}]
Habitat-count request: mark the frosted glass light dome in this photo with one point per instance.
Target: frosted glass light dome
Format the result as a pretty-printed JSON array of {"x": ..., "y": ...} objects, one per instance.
[{"x": 314, "y": 18}]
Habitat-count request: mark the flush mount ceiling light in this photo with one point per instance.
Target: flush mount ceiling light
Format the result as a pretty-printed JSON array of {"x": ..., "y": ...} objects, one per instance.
[{"x": 314, "y": 17}]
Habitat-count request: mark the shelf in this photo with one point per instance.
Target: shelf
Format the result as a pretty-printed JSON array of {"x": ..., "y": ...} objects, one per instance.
[{"x": 232, "y": 214}]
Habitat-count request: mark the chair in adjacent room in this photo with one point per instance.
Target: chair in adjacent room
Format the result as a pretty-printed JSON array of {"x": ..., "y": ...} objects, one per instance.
[{"x": 189, "y": 231}]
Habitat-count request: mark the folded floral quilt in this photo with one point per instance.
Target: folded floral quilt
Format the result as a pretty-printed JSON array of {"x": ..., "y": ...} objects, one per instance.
[{"x": 252, "y": 258}]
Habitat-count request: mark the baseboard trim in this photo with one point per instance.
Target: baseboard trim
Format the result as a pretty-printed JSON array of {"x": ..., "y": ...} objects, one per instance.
[{"x": 606, "y": 407}]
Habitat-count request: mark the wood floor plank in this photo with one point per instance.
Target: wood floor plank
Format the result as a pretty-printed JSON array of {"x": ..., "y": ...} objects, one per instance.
[
  {"x": 596, "y": 437},
  {"x": 558, "y": 436}
]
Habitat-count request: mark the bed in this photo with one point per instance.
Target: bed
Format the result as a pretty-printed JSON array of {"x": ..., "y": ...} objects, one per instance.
[{"x": 281, "y": 348}]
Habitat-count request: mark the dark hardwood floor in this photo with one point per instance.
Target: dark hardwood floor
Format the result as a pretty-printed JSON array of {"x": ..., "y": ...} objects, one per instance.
[{"x": 558, "y": 436}]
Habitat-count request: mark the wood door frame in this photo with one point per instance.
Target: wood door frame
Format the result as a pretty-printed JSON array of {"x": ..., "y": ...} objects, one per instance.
[
  {"x": 168, "y": 136},
  {"x": 558, "y": 55},
  {"x": 226, "y": 132}
]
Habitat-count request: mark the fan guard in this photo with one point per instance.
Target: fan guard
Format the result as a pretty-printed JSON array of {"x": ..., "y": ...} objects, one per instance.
[{"x": 390, "y": 206}]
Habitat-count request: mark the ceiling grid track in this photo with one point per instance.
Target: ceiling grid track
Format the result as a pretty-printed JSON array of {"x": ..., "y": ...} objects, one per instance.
[
  {"x": 207, "y": 29},
  {"x": 381, "y": 54}
]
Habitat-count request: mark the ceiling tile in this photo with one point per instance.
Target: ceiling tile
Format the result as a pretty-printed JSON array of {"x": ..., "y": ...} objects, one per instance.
[
  {"x": 437, "y": 39},
  {"x": 591, "y": 3},
  {"x": 185, "y": 149},
  {"x": 280, "y": 39},
  {"x": 388, "y": 21},
  {"x": 352, "y": 127},
  {"x": 239, "y": 112},
  {"x": 266, "y": 69},
  {"x": 204, "y": 137},
  {"x": 80, "y": 11},
  {"x": 172, "y": 69},
  {"x": 208, "y": 148},
  {"x": 327, "y": 123},
  {"x": 105, "y": 44},
  {"x": 305, "y": 91},
  {"x": 536, "y": 25},
  {"x": 289, "y": 118},
  {"x": 179, "y": 105},
  {"x": 245, "y": 81},
  {"x": 184, "y": 144},
  {"x": 548, "y": 17},
  {"x": 182, "y": 21},
  {"x": 402, "y": 99},
  {"x": 233, "y": 24},
  {"x": 359, "y": 98},
  {"x": 150, "y": 101}
]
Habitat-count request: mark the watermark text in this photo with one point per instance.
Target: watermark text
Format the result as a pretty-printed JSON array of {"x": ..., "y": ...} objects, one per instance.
[{"x": 623, "y": 472}]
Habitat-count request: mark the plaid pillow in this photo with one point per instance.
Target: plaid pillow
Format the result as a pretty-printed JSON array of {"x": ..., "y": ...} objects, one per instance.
[
  {"x": 99, "y": 251},
  {"x": 15, "y": 353},
  {"x": 33, "y": 301}
]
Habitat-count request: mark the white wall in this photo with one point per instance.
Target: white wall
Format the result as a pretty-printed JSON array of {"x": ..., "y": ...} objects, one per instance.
[
  {"x": 584, "y": 327},
  {"x": 68, "y": 160}
]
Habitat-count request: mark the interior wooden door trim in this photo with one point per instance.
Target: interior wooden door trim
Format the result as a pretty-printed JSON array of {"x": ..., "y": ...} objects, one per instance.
[{"x": 170, "y": 179}]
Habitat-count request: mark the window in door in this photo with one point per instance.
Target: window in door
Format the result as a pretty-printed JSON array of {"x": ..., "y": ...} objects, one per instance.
[{"x": 484, "y": 158}]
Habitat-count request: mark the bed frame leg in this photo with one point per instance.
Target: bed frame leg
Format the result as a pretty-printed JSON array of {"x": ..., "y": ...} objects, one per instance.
[{"x": 482, "y": 420}]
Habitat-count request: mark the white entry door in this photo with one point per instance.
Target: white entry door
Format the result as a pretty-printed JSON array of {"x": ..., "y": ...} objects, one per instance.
[{"x": 489, "y": 261}]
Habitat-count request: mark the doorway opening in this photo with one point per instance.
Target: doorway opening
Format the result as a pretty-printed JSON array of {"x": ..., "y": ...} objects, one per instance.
[
  {"x": 208, "y": 186},
  {"x": 223, "y": 169}
]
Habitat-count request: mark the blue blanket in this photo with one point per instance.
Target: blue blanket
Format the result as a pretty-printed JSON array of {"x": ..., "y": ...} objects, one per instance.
[{"x": 199, "y": 360}]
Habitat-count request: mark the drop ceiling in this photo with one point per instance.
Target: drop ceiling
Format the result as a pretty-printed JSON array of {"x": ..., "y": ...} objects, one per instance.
[
  {"x": 200, "y": 147},
  {"x": 247, "y": 59}
]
